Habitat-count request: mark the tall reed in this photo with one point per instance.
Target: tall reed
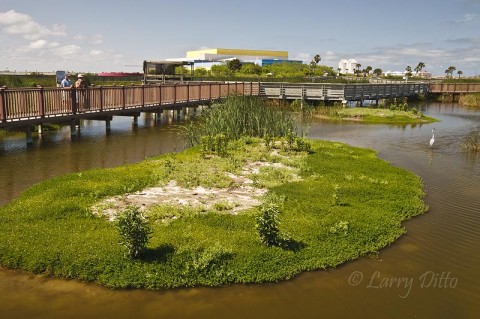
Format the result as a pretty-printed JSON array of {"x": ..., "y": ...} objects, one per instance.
[
  {"x": 238, "y": 116},
  {"x": 472, "y": 142}
]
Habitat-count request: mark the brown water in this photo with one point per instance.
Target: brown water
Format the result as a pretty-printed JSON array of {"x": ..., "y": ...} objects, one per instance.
[{"x": 431, "y": 272}]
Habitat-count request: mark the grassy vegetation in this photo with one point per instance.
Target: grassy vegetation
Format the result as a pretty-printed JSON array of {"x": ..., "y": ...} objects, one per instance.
[
  {"x": 472, "y": 142},
  {"x": 239, "y": 116},
  {"x": 391, "y": 115},
  {"x": 359, "y": 203},
  {"x": 470, "y": 100}
]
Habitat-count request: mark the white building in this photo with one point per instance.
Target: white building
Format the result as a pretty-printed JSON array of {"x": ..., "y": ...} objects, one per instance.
[
  {"x": 208, "y": 57},
  {"x": 347, "y": 66}
]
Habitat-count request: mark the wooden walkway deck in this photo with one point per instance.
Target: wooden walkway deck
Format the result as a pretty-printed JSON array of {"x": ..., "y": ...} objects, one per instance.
[
  {"x": 26, "y": 106},
  {"x": 340, "y": 92},
  {"x": 454, "y": 88}
]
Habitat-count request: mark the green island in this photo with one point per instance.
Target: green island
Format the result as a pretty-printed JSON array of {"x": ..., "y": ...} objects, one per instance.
[
  {"x": 335, "y": 203},
  {"x": 375, "y": 115}
]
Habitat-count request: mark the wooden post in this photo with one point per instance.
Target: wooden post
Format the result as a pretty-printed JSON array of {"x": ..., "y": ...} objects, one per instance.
[
  {"x": 123, "y": 97},
  {"x": 159, "y": 94},
  {"x": 74, "y": 100},
  {"x": 3, "y": 106},
  {"x": 108, "y": 127},
  {"x": 28, "y": 133},
  {"x": 101, "y": 98},
  {"x": 73, "y": 128},
  {"x": 41, "y": 102},
  {"x": 135, "y": 120},
  {"x": 174, "y": 93}
]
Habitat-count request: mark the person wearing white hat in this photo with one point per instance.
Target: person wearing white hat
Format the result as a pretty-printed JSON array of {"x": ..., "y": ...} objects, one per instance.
[
  {"x": 82, "y": 96},
  {"x": 80, "y": 84}
]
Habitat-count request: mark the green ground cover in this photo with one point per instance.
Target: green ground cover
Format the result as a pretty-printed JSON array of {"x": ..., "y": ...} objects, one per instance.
[
  {"x": 375, "y": 115},
  {"x": 336, "y": 203}
]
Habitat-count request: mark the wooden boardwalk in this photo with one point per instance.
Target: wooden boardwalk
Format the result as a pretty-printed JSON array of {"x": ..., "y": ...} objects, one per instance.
[
  {"x": 340, "y": 92},
  {"x": 27, "y": 106},
  {"x": 454, "y": 88}
]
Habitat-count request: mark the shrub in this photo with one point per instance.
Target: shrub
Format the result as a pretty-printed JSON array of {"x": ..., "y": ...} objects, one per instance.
[
  {"x": 267, "y": 225},
  {"x": 134, "y": 231}
]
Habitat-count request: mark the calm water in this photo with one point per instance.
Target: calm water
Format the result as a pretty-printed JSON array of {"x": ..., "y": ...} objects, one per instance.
[{"x": 431, "y": 272}]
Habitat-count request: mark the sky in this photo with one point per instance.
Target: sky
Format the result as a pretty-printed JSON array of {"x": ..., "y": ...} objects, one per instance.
[{"x": 118, "y": 35}]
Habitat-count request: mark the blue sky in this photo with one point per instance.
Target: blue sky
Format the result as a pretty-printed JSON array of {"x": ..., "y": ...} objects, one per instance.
[{"x": 117, "y": 35}]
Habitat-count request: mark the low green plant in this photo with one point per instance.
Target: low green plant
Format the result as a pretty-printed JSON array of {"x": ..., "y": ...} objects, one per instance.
[
  {"x": 340, "y": 228},
  {"x": 134, "y": 231}
]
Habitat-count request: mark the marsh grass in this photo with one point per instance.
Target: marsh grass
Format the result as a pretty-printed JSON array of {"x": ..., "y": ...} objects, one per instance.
[
  {"x": 470, "y": 100},
  {"x": 50, "y": 228},
  {"x": 472, "y": 142},
  {"x": 239, "y": 116}
]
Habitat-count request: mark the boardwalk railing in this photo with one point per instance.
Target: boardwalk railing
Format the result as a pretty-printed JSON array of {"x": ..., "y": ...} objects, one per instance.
[
  {"x": 340, "y": 92},
  {"x": 453, "y": 88},
  {"x": 37, "y": 105}
]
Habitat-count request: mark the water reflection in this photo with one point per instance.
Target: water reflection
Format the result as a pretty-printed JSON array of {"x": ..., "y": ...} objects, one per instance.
[{"x": 442, "y": 243}]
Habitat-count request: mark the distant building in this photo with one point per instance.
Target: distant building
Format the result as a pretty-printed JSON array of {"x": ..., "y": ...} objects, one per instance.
[
  {"x": 347, "y": 66},
  {"x": 209, "y": 57},
  {"x": 394, "y": 73},
  {"x": 423, "y": 74}
]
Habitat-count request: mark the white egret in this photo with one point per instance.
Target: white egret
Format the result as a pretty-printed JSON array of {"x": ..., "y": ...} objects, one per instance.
[{"x": 432, "y": 140}]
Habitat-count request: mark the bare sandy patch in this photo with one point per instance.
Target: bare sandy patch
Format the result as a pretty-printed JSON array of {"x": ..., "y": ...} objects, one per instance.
[{"x": 241, "y": 195}]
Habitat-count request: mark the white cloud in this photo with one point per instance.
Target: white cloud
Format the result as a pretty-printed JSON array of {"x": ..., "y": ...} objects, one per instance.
[
  {"x": 96, "y": 52},
  {"x": 305, "y": 57},
  {"x": 22, "y": 24},
  {"x": 468, "y": 17},
  {"x": 39, "y": 44},
  {"x": 67, "y": 50},
  {"x": 97, "y": 39}
]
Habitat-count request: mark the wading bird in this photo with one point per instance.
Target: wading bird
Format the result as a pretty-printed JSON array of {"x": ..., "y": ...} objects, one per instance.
[{"x": 432, "y": 140}]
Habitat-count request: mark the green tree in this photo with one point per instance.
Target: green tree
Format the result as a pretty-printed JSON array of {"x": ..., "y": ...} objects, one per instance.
[
  {"x": 220, "y": 70},
  {"x": 409, "y": 70},
  {"x": 419, "y": 67},
  {"x": 367, "y": 70},
  {"x": 234, "y": 65},
  {"x": 200, "y": 72},
  {"x": 449, "y": 71},
  {"x": 251, "y": 68},
  {"x": 358, "y": 66},
  {"x": 459, "y": 73},
  {"x": 377, "y": 72}
]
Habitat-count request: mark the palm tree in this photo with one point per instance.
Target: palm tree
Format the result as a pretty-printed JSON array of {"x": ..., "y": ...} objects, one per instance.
[
  {"x": 317, "y": 58},
  {"x": 459, "y": 73},
  {"x": 419, "y": 67},
  {"x": 377, "y": 72},
  {"x": 368, "y": 69},
  {"x": 358, "y": 65},
  {"x": 450, "y": 70},
  {"x": 409, "y": 70}
]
